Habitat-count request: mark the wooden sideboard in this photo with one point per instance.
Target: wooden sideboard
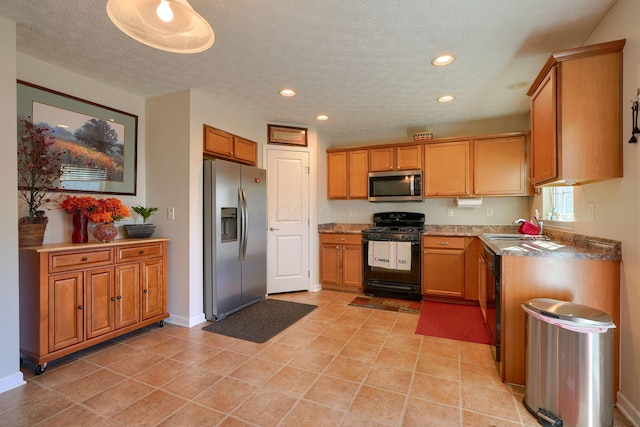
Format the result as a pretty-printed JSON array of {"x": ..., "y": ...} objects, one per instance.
[{"x": 73, "y": 296}]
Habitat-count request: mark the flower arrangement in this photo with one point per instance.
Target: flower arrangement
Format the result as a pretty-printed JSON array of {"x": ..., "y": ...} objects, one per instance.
[
  {"x": 96, "y": 210},
  {"x": 38, "y": 169}
]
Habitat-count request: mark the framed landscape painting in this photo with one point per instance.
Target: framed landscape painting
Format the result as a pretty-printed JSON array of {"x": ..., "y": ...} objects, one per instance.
[{"x": 98, "y": 144}]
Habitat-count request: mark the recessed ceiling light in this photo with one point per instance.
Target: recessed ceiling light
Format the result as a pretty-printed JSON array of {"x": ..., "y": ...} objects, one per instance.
[
  {"x": 442, "y": 60},
  {"x": 322, "y": 117},
  {"x": 446, "y": 98},
  {"x": 287, "y": 92}
]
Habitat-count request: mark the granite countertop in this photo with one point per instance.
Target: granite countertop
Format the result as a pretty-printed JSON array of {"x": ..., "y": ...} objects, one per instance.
[{"x": 560, "y": 244}]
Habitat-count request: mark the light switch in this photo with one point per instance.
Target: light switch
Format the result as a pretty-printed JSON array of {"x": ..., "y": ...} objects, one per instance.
[
  {"x": 449, "y": 211},
  {"x": 171, "y": 213}
]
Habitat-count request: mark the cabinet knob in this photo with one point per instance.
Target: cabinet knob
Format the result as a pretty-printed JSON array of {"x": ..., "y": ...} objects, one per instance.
[
  {"x": 113, "y": 299},
  {"x": 145, "y": 291},
  {"x": 81, "y": 307},
  {"x": 84, "y": 258},
  {"x": 119, "y": 297},
  {"x": 338, "y": 247},
  {"x": 141, "y": 252}
]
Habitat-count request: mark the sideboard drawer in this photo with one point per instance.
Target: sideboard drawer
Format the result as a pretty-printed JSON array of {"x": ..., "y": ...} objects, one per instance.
[
  {"x": 65, "y": 261},
  {"x": 135, "y": 253}
]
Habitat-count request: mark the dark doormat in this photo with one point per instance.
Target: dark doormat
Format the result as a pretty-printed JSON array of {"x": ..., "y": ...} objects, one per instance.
[
  {"x": 261, "y": 321},
  {"x": 389, "y": 304}
]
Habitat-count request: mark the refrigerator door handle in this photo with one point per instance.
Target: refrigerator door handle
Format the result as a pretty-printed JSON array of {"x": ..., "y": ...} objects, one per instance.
[{"x": 244, "y": 221}]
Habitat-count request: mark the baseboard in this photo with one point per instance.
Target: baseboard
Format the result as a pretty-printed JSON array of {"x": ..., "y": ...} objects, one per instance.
[
  {"x": 187, "y": 322},
  {"x": 11, "y": 381},
  {"x": 628, "y": 410}
]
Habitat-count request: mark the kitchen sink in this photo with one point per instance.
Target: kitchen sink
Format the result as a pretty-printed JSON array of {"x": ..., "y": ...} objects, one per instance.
[
  {"x": 504, "y": 236},
  {"x": 514, "y": 236}
]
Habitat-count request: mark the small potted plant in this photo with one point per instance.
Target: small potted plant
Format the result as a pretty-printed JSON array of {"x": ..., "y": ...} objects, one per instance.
[
  {"x": 141, "y": 230},
  {"x": 38, "y": 174}
]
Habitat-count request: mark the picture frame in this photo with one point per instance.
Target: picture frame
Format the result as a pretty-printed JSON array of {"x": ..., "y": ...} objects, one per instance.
[
  {"x": 287, "y": 135},
  {"x": 98, "y": 143}
]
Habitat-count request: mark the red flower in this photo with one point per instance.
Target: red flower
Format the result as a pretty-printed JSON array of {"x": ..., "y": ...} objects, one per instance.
[{"x": 97, "y": 210}]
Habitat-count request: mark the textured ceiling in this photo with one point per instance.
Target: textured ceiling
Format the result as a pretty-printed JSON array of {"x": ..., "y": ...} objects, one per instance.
[{"x": 365, "y": 63}]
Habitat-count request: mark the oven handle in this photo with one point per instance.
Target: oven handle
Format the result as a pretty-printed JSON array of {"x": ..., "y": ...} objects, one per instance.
[{"x": 391, "y": 287}]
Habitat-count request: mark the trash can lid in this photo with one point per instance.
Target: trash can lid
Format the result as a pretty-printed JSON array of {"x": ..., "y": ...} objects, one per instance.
[{"x": 581, "y": 315}]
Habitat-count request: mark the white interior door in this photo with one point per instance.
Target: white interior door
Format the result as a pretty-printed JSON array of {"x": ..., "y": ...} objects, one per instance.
[{"x": 288, "y": 220}]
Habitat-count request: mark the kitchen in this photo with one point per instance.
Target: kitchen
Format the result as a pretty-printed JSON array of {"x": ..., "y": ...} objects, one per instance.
[{"x": 616, "y": 201}]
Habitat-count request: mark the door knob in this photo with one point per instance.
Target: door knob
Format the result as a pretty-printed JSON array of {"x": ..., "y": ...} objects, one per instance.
[{"x": 273, "y": 228}]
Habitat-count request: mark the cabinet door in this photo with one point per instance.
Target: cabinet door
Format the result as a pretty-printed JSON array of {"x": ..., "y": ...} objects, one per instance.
[
  {"x": 66, "y": 310},
  {"x": 218, "y": 142},
  {"x": 499, "y": 166},
  {"x": 352, "y": 265},
  {"x": 381, "y": 159},
  {"x": 409, "y": 157},
  {"x": 443, "y": 272},
  {"x": 337, "y": 175},
  {"x": 543, "y": 130},
  {"x": 127, "y": 294},
  {"x": 330, "y": 256},
  {"x": 153, "y": 299},
  {"x": 447, "y": 169},
  {"x": 99, "y": 302},
  {"x": 358, "y": 170},
  {"x": 482, "y": 286},
  {"x": 245, "y": 150}
]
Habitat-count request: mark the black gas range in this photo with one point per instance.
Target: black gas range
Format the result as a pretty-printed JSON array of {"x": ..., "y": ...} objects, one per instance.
[{"x": 392, "y": 255}]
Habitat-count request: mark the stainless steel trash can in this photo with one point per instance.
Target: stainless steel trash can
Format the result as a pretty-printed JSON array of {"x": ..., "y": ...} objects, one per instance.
[{"x": 569, "y": 360}]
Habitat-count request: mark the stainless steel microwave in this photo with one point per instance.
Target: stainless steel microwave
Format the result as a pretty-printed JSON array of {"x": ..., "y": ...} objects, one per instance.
[{"x": 395, "y": 186}]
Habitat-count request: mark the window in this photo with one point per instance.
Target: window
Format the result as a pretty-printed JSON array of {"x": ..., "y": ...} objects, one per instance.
[{"x": 557, "y": 203}]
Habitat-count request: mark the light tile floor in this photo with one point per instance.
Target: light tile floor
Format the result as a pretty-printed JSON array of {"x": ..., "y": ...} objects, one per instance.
[{"x": 339, "y": 366}]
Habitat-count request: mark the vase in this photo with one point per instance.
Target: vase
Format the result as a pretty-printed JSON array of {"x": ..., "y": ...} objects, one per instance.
[
  {"x": 105, "y": 232},
  {"x": 79, "y": 234}
]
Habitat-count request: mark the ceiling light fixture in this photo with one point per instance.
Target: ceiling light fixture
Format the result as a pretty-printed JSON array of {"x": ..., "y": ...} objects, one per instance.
[
  {"x": 442, "y": 60},
  {"x": 169, "y": 25},
  {"x": 446, "y": 98},
  {"x": 322, "y": 117},
  {"x": 287, "y": 92}
]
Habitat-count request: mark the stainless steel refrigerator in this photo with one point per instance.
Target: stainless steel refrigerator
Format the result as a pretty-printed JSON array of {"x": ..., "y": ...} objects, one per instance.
[{"x": 235, "y": 237}]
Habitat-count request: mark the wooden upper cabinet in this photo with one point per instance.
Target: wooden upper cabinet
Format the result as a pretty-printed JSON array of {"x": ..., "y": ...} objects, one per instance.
[
  {"x": 499, "y": 166},
  {"x": 224, "y": 145},
  {"x": 576, "y": 116},
  {"x": 347, "y": 174},
  {"x": 403, "y": 157},
  {"x": 447, "y": 169},
  {"x": 245, "y": 150},
  {"x": 337, "y": 175},
  {"x": 358, "y": 181}
]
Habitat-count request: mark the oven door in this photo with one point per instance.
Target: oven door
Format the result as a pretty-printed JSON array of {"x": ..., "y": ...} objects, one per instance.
[{"x": 400, "y": 283}]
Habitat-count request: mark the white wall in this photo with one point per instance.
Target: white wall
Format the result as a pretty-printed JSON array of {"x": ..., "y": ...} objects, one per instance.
[
  {"x": 10, "y": 375},
  {"x": 174, "y": 159},
  {"x": 34, "y": 71},
  {"x": 617, "y": 204}
]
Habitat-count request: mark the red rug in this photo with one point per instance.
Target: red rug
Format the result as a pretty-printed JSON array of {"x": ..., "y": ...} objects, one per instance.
[{"x": 453, "y": 321}]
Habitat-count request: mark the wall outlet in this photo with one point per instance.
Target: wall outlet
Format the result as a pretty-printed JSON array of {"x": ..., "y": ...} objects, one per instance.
[
  {"x": 489, "y": 212},
  {"x": 591, "y": 211},
  {"x": 171, "y": 214},
  {"x": 449, "y": 211},
  {"x": 349, "y": 212}
]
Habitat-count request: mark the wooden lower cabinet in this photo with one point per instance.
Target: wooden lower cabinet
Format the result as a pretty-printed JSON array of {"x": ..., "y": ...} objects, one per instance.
[
  {"x": 443, "y": 266},
  {"x": 594, "y": 283},
  {"x": 450, "y": 268},
  {"x": 341, "y": 261},
  {"x": 75, "y": 296}
]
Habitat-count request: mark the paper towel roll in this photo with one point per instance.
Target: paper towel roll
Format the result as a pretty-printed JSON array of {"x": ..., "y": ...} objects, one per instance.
[{"x": 469, "y": 202}]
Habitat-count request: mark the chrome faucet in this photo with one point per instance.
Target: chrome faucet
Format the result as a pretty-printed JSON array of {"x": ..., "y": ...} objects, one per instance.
[{"x": 519, "y": 221}]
